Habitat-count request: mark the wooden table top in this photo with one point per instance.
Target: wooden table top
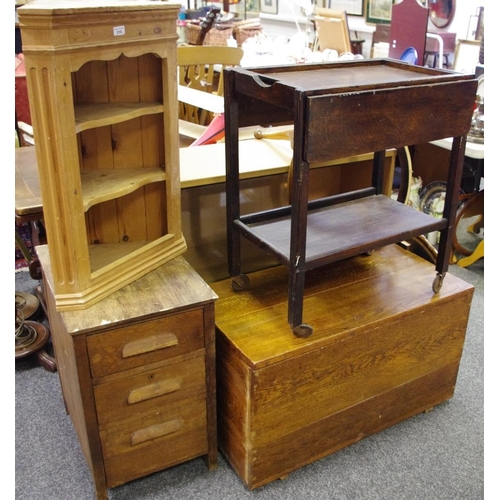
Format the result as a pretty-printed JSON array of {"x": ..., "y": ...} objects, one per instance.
[
  {"x": 28, "y": 193},
  {"x": 472, "y": 149},
  {"x": 258, "y": 158}
]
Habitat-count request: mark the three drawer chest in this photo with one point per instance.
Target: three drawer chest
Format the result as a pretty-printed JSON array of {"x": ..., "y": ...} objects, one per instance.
[{"x": 137, "y": 373}]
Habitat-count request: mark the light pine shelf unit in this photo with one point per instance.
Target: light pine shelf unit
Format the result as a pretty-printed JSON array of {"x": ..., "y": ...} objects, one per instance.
[{"x": 103, "y": 95}]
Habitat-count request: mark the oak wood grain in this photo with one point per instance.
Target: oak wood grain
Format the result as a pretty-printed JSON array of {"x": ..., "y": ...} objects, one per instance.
[
  {"x": 154, "y": 388},
  {"x": 126, "y": 458},
  {"x": 385, "y": 347},
  {"x": 141, "y": 397}
]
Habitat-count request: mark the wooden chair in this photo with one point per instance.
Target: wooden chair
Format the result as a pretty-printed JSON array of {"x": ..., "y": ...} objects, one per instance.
[
  {"x": 472, "y": 211},
  {"x": 408, "y": 29},
  {"x": 201, "y": 68},
  {"x": 24, "y": 130},
  {"x": 24, "y": 133},
  {"x": 332, "y": 32}
]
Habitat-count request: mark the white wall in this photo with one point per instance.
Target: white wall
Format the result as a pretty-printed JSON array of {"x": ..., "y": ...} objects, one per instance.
[
  {"x": 460, "y": 23},
  {"x": 289, "y": 15}
]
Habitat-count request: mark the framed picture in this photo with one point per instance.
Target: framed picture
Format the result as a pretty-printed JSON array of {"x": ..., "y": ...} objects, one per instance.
[
  {"x": 269, "y": 6},
  {"x": 252, "y": 5},
  {"x": 466, "y": 56},
  {"x": 378, "y": 11},
  {"x": 471, "y": 29},
  {"x": 352, "y": 7},
  {"x": 480, "y": 24}
]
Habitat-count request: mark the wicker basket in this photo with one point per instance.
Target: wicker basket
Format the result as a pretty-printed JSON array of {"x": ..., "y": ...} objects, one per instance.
[
  {"x": 220, "y": 34},
  {"x": 217, "y": 36},
  {"x": 192, "y": 33},
  {"x": 242, "y": 33}
]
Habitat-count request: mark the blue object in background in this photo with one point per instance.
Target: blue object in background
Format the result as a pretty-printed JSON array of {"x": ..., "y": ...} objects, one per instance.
[{"x": 410, "y": 55}]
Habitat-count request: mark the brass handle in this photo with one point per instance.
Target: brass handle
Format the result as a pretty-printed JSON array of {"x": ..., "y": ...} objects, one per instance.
[
  {"x": 153, "y": 390},
  {"x": 273, "y": 134},
  {"x": 149, "y": 344},
  {"x": 155, "y": 431}
]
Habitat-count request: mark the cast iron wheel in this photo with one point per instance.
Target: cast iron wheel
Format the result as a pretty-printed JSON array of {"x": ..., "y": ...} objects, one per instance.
[
  {"x": 302, "y": 331},
  {"x": 240, "y": 282},
  {"x": 437, "y": 283}
]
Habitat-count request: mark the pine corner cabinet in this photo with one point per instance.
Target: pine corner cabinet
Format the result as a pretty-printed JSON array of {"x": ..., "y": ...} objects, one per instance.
[{"x": 102, "y": 87}]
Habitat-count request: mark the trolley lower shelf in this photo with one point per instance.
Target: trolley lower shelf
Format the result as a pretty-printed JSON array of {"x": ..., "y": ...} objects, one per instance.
[
  {"x": 334, "y": 232},
  {"x": 341, "y": 231}
]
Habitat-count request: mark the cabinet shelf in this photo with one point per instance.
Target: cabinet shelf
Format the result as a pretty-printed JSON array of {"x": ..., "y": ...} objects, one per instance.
[
  {"x": 105, "y": 255},
  {"x": 103, "y": 185},
  {"x": 93, "y": 115},
  {"x": 344, "y": 230}
]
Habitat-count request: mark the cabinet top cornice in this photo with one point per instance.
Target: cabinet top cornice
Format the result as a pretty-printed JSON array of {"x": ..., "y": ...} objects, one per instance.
[{"x": 62, "y": 7}]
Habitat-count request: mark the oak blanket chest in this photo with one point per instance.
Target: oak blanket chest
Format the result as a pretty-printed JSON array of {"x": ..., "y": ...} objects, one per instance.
[{"x": 385, "y": 348}]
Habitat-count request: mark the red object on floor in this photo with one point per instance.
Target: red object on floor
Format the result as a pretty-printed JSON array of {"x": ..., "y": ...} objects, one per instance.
[
  {"x": 213, "y": 133},
  {"x": 21, "y": 93}
]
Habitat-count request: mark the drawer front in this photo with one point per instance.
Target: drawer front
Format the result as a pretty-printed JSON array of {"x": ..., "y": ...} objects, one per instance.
[
  {"x": 150, "y": 391},
  {"x": 381, "y": 121},
  {"x": 147, "y": 444},
  {"x": 143, "y": 343}
]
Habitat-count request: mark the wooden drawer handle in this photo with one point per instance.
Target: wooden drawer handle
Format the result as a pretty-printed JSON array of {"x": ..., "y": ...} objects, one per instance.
[
  {"x": 153, "y": 390},
  {"x": 149, "y": 344},
  {"x": 155, "y": 431}
]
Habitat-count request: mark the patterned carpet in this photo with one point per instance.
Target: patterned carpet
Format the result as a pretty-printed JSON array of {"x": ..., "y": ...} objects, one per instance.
[{"x": 23, "y": 231}]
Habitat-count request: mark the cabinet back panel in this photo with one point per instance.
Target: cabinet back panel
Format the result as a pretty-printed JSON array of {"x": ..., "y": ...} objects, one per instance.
[
  {"x": 87, "y": 83},
  {"x": 96, "y": 148},
  {"x": 126, "y": 79},
  {"x": 150, "y": 82},
  {"x": 156, "y": 208},
  {"x": 123, "y": 79},
  {"x": 134, "y": 143},
  {"x": 131, "y": 218},
  {"x": 102, "y": 223}
]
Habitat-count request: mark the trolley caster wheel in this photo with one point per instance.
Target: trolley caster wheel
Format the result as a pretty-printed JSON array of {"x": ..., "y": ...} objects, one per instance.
[
  {"x": 302, "y": 331},
  {"x": 437, "y": 283},
  {"x": 240, "y": 282}
]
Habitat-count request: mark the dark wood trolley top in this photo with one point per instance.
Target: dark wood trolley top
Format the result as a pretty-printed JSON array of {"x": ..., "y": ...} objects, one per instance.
[{"x": 349, "y": 76}]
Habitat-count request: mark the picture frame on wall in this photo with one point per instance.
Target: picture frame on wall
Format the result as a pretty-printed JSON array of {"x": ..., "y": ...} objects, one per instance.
[
  {"x": 466, "y": 56},
  {"x": 378, "y": 11},
  {"x": 252, "y": 6},
  {"x": 480, "y": 24},
  {"x": 269, "y": 6},
  {"x": 351, "y": 7}
]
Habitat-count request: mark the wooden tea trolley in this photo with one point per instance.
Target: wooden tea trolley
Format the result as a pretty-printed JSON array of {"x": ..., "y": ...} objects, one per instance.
[
  {"x": 102, "y": 85},
  {"x": 339, "y": 110}
]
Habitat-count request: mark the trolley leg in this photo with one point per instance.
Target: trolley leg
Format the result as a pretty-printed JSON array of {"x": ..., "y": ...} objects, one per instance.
[{"x": 296, "y": 304}]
